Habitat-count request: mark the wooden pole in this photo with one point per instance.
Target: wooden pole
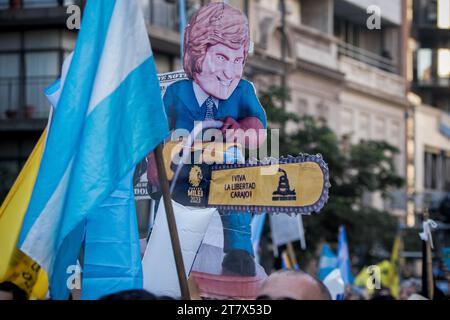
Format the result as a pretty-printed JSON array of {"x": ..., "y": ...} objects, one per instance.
[
  {"x": 164, "y": 184},
  {"x": 291, "y": 252},
  {"x": 430, "y": 271},
  {"x": 428, "y": 263}
]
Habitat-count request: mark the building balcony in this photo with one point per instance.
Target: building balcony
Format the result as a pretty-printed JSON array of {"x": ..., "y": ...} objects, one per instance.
[
  {"x": 432, "y": 14},
  {"x": 26, "y": 4},
  {"x": 431, "y": 22},
  {"x": 371, "y": 73},
  {"x": 366, "y": 57},
  {"x": 438, "y": 86},
  {"x": 33, "y": 13},
  {"x": 307, "y": 47},
  {"x": 24, "y": 99},
  {"x": 356, "y": 10},
  {"x": 315, "y": 47}
]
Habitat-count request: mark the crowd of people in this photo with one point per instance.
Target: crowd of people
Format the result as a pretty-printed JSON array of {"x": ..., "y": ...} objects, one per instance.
[{"x": 280, "y": 285}]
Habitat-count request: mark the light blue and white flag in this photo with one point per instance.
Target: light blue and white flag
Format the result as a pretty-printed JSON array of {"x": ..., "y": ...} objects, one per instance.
[
  {"x": 327, "y": 262},
  {"x": 343, "y": 262},
  {"x": 108, "y": 117},
  {"x": 257, "y": 228}
]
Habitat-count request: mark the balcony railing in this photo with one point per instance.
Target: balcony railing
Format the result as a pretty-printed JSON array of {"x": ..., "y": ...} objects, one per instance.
[
  {"x": 24, "y": 4},
  {"x": 428, "y": 199},
  {"x": 24, "y": 99},
  {"x": 367, "y": 57},
  {"x": 164, "y": 13}
]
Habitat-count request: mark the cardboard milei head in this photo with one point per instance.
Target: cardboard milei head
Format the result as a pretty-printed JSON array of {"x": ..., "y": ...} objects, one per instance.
[{"x": 216, "y": 43}]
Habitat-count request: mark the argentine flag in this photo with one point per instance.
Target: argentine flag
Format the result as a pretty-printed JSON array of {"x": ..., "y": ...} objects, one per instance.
[
  {"x": 257, "y": 227},
  {"x": 343, "y": 258},
  {"x": 327, "y": 262},
  {"x": 109, "y": 115}
]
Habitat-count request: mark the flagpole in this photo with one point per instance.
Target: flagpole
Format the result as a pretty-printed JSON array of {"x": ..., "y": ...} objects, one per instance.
[
  {"x": 164, "y": 183},
  {"x": 291, "y": 253},
  {"x": 427, "y": 264},
  {"x": 182, "y": 14},
  {"x": 302, "y": 232}
]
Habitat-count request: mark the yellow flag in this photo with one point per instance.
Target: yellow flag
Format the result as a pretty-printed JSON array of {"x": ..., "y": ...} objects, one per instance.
[
  {"x": 286, "y": 259},
  {"x": 394, "y": 279},
  {"x": 371, "y": 277},
  {"x": 362, "y": 277},
  {"x": 16, "y": 267},
  {"x": 387, "y": 271}
]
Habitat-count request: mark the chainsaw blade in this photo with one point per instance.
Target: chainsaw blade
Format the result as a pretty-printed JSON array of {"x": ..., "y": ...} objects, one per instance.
[{"x": 292, "y": 185}]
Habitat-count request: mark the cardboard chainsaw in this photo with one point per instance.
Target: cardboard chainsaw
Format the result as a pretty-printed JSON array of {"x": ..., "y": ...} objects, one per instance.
[{"x": 297, "y": 185}]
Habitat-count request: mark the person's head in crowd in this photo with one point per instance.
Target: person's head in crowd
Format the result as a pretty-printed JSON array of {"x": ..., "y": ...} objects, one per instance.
[
  {"x": 293, "y": 285},
  {"x": 438, "y": 295},
  {"x": 409, "y": 287},
  {"x": 133, "y": 295},
  {"x": 382, "y": 297},
  {"x": 9, "y": 291},
  {"x": 382, "y": 294},
  {"x": 354, "y": 293}
]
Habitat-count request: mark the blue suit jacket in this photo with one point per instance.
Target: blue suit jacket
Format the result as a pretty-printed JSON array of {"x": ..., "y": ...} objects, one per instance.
[{"x": 183, "y": 110}]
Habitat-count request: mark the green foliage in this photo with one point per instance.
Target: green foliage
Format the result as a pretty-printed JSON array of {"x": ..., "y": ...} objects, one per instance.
[
  {"x": 271, "y": 99},
  {"x": 355, "y": 169}
]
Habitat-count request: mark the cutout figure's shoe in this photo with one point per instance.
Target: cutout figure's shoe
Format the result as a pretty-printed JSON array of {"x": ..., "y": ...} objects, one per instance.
[{"x": 239, "y": 263}]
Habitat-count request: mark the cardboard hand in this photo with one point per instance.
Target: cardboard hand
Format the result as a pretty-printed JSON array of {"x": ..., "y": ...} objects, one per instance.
[
  {"x": 245, "y": 124},
  {"x": 230, "y": 124}
]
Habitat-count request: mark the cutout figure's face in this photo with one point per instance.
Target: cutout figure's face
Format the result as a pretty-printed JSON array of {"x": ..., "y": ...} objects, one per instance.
[{"x": 221, "y": 71}]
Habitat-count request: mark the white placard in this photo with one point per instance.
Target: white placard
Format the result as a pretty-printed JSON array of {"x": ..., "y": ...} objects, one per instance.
[{"x": 160, "y": 273}]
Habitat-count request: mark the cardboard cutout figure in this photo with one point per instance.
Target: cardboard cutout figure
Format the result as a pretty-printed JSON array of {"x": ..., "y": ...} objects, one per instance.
[
  {"x": 216, "y": 48},
  {"x": 214, "y": 94}
]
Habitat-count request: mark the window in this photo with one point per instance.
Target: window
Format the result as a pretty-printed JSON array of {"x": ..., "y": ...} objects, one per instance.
[
  {"x": 424, "y": 65},
  {"x": 163, "y": 13},
  {"x": 29, "y": 62},
  {"x": 42, "y": 69},
  {"x": 444, "y": 63},
  {"x": 447, "y": 172},
  {"x": 346, "y": 118},
  {"x": 443, "y": 14},
  {"x": 323, "y": 112},
  {"x": 364, "y": 126},
  {"x": 437, "y": 170},
  {"x": 380, "y": 128},
  {"x": 5, "y": 4},
  {"x": 302, "y": 107},
  {"x": 9, "y": 82}
]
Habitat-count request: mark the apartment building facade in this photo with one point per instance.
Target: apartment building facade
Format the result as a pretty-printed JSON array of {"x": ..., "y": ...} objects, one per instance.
[
  {"x": 428, "y": 156},
  {"x": 341, "y": 71},
  {"x": 337, "y": 68}
]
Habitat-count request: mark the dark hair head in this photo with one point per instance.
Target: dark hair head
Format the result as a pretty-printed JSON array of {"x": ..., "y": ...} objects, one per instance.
[
  {"x": 133, "y": 295},
  {"x": 18, "y": 293}
]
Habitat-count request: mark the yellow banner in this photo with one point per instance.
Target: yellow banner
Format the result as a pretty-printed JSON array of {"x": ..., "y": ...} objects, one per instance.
[
  {"x": 293, "y": 185},
  {"x": 16, "y": 267}
]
